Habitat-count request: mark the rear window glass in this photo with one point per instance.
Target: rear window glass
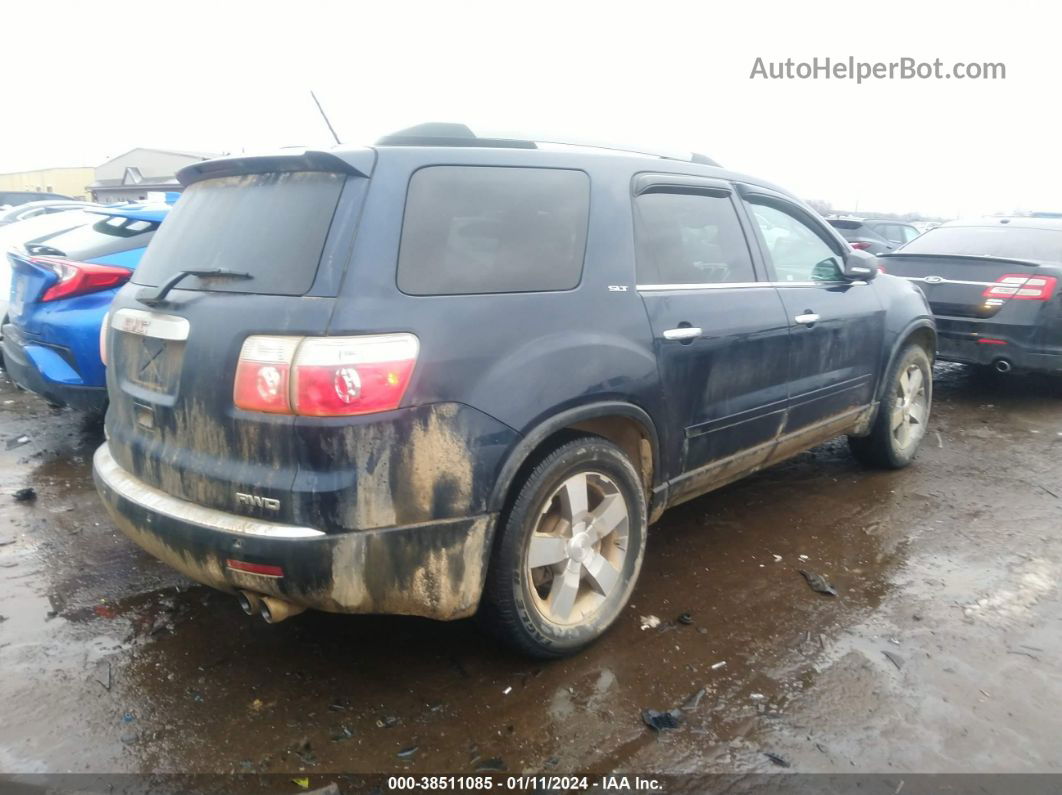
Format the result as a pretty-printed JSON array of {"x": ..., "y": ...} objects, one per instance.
[
  {"x": 272, "y": 226},
  {"x": 990, "y": 241},
  {"x": 110, "y": 234},
  {"x": 485, "y": 229}
]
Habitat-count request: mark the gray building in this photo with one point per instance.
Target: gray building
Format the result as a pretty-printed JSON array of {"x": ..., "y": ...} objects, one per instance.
[{"x": 129, "y": 177}]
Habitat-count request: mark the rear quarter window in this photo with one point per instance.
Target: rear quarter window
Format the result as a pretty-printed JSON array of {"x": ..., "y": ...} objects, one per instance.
[{"x": 488, "y": 229}]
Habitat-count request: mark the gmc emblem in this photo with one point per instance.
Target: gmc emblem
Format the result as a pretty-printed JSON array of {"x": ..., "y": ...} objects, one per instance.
[{"x": 254, "y": 501}]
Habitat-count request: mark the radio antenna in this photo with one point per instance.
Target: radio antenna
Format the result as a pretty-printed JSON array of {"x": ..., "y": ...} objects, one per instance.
[{"x": 324, "y": 116}]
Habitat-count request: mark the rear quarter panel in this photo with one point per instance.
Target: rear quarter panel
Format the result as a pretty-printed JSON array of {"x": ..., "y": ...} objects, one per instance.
[{"x": 517, "y": 358}]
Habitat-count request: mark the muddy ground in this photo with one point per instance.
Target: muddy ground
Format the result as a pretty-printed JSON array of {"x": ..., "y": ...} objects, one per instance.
[{"x": 941, "y": 653}]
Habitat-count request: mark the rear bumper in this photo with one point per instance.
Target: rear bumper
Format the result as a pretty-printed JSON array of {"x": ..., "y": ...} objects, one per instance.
[
  {"x": 435, "y": 570},
  {"x": 25, "y": 361},
  {"x": 971, "y": 342}
]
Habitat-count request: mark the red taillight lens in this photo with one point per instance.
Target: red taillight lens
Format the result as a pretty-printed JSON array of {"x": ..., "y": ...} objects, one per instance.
[
  {"x": 325, "y": 376},
  {"x": 862, "y": 245},
  {"x": 1019, "y": 287},
  {"x": 342, "y": 376},
  {"x": 80, "y": 278},
  {"x": 262, "y": 374}
]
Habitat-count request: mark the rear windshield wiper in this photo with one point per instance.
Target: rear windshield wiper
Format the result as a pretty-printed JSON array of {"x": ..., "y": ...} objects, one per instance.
[{"x": 152, "y": 296}]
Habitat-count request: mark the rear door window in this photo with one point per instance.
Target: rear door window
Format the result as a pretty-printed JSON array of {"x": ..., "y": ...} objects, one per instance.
[
  {"x": 487, "y": 229},
  {"x": 271, "y": 226},
  {"x": 110, "y": 234},
  {"x": 689, "y": 238}
]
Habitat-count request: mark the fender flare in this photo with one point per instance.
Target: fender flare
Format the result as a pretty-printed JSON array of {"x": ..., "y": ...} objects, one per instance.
[
  {"x": 522, "y": 450},
  {"x": 901, "y": 339}
]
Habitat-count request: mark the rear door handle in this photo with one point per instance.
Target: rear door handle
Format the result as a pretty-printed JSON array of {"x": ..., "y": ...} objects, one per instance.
[
  {"x": 807, "y": 318},
  {"x": 682, "y": 333}
]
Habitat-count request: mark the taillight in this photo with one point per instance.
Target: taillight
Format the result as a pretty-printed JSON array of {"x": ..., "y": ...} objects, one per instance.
[
  {"x": 1019, "y": 287},
  {"x": 862, "y": 245},
  {"x": 263, "y": 372},
  {"x": 80, "y": 278},
  {"x": 325, "y": 376}
]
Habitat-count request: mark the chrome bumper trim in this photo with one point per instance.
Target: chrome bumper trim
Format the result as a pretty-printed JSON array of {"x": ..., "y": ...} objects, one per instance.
[{"x": 151, "y": 499}]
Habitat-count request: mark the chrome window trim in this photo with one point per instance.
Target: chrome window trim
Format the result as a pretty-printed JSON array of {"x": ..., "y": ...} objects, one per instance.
[
  {"x": 656, "y": 288},
  {"x": 150, "y": 324},
  {"x": 159, "y": 502},
  {"x": 941, "y": 280}
]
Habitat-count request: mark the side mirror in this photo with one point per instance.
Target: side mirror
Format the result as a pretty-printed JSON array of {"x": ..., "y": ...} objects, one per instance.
[{"x": 860, "y": 266}]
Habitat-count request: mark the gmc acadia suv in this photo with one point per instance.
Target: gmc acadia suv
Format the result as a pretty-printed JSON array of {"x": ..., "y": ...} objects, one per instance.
[{"x": 451, "y": 374}]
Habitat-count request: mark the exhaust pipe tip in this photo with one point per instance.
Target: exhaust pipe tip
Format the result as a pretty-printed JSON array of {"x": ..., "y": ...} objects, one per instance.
[
  {"x": 273, "y": 610},
  {"x": 250, "y": 603},
  {"x": 1003, "y": 366}
]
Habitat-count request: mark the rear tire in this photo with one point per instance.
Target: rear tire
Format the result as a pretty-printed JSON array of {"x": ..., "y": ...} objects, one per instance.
[
  {"x": 903, "y": 415},
  {"x": 568, "y": 551}
]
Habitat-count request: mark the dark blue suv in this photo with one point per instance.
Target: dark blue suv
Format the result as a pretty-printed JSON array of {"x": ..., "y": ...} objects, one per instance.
[{"x": 448, "y": 375}]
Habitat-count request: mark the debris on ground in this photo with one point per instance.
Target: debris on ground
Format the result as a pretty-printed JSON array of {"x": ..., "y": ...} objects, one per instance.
[
  {"x": 693, "y": 701},
  {"x": 802, "y": 557},
  {"x": 18, "y": 441},
  {"x": 102, "y": 674},
  {"x": 330, "y": 789},
  {"x": 387, "y": 722},
  {"x": 27, "y": 494},
  {"x": 757, "y": 696},
  {"x": 718, "y": 665},
  {"x": 894, "y": 658},
  {"x": 778, "y": 760},
  {"x": 341, "y": 734},
  {"x": 301, "y": 782},
  {"x": 777, "y": 558},
  {"x": 408, "y": 753},
  {"x": 685, "y": 618},
  {"x": 818, "y": 583},
  {"x": 659, "y": 721},
  {"x": 492, "y": 765},
  {"x": 507, "y": 690},
  {"x": 650, "y": 622}
]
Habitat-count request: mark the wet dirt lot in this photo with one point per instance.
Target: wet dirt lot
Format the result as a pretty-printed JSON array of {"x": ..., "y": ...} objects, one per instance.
[{"x": 111, "y": 662}]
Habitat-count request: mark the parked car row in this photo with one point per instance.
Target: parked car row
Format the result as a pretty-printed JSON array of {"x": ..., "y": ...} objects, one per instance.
[
  {"x": 448, "y": 375},
  {"x": 63, "y": 279}
]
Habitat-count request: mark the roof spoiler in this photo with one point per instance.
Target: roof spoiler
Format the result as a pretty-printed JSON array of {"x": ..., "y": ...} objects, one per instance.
[{"x": 359, "y": 162}]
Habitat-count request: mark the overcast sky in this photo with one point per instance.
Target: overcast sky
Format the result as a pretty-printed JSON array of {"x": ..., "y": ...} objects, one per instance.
[{"x": 87, "y": 81}]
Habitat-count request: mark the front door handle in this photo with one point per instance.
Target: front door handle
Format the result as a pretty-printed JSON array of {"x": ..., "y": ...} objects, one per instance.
[
  {"x": 807, "y": 318},
  {"x": 682, "y": 333}
]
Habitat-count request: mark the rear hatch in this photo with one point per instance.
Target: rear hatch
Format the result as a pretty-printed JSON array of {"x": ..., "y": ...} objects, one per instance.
[
  {"x": 37, "y": 265},
  {"x": 987, "y": 281},
  {"x": 284, "y": 225},
  {"x": 977, "y": 272}
]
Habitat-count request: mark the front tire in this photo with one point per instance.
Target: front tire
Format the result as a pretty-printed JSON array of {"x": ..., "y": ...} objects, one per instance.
[
  {"x": 568, "y": 552},
  {"x": 903, "y": 414}
]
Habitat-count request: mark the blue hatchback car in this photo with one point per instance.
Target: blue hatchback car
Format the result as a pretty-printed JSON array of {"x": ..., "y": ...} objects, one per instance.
[{"x": 61, "y": 287}]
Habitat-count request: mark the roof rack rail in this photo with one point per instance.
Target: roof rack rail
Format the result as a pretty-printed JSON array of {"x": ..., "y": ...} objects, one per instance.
[{"x": 450, "y": 134}]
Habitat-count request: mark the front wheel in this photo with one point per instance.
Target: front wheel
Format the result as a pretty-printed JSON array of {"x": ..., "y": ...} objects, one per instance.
[
  {"x": 903, "y": 415},
  {"x": 569, "y": 551}
]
